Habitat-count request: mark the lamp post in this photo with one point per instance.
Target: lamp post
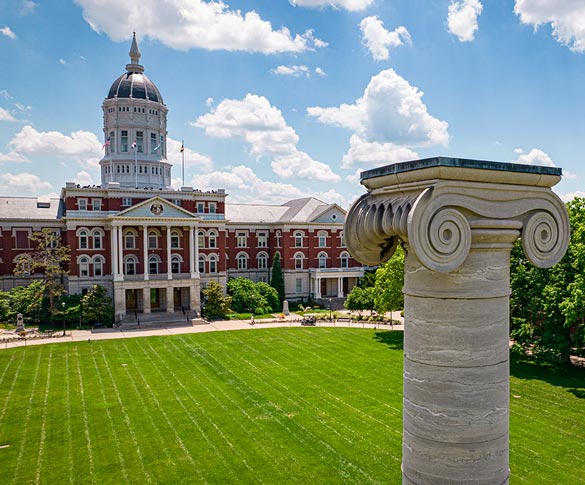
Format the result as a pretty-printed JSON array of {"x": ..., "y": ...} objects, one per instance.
[
  {"x": 330, "y": 314},
  {"x": 63, "y": 307}
]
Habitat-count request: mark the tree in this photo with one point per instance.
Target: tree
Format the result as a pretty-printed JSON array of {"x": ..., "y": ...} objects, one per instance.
[
  {"x": 216, "y": 304},
  {"x": 547, "y": 306},
  {"x": 30, "y": 301},
  {"x": 277, "y": 280},
  {"x": 360, "y": 299},
  {"x": 96, "y": 306},
  {"x": 48, "y": 256},
  {"x": 246, "y": 296},
  {"x": 389, "y": 284},
  {"x": 270, "y": 295}
]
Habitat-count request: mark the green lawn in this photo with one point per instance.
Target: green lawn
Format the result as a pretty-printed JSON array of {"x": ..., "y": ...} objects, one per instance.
[{"x": 290, "y": 405}]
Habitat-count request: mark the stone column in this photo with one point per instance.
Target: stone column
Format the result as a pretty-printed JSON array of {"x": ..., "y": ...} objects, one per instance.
[
  {"x": 457, "y": 220},
  {"x": 191, "y": 251},
  {"x": 120, "y": 239},
  {"x": 114, "y": 250},
  {"x": 340, "y": 287},
  {"x": 170, "y": 300},
  {"x": 145, "y": 253},
  {"x": 169, "y": 256},
  {"x": 146, "y": 300}
]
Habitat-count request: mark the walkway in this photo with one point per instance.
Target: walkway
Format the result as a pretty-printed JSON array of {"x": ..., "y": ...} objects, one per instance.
[{"x": 223, "y": 325}]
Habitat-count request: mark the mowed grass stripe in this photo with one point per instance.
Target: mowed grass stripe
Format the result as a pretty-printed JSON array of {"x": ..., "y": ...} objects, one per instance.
[
  {"x": 334, "y": 422},
  {"x": 307, "y": 437},
  {"x": 299, "y": 405},
  {"x": 149, "y": 400},
  {"x": 228, "y": 399}
]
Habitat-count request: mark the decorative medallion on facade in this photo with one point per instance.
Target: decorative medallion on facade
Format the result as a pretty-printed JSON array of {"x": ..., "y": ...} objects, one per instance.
[{"x": 157, "y": 209}]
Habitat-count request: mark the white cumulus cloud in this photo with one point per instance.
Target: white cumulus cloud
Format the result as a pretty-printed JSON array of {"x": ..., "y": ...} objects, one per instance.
[
  {"x": 22, "y": 182},
  {"x": 462, "y": 19},
  {"x": 6, "y": 115},
  {"x": 257, "y": 123},
  {"x": 7, "y": 31},
  {"x": 378, "y": 40},
  {"x": 192, "y": 158},
  {"x": 388, "y": 120},
  {"x": 351, "y": 5},
  {"x": 534, "y": 157},
  {"x": 28, "y": 7},
  {"x": 294, "y": 71},
  {"x": 244, "y": 186},
  {"x": 567, "y": 19},
  {"x": 187, "y": 24}
]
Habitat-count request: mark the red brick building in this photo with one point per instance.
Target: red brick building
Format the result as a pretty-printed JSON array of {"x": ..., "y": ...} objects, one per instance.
[{"x": 155, "y": 248}]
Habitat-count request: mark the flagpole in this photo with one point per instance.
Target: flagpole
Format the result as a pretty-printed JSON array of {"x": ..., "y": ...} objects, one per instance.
[
  {"x": 135, "y": 164},
  {"x": 183, "y": 160}
]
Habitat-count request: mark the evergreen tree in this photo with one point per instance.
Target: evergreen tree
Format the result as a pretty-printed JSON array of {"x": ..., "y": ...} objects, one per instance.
[
  {"x": 277, "y": 281},
  {"x": 216, "y": 304}
]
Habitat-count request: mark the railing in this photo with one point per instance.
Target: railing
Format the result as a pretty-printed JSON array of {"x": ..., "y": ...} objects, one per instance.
[
  {"x": 359, "y": 269},
  {"x": 158, "y": 276}
]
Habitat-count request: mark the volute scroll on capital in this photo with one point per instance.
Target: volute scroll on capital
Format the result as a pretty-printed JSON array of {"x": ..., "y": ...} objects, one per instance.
[{"x": 442, "y": 222}]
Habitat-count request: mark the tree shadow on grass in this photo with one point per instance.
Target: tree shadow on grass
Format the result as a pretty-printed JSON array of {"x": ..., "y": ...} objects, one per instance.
[
  {"x": 392, "y": 338},
  {"x": 572, "y": 378}
]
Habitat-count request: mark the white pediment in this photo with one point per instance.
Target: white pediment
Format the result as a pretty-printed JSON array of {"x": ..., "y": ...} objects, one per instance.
[
  {"x": 155, "y": 208},
  {"x": 332, "y": 214}
]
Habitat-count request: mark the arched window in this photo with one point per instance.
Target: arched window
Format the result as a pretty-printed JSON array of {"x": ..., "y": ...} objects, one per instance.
[
  {"x": 322, "y": 239},
  {"x": 212, "y": 238},
  {"x": 213, "y": 263},
  {"x": 175, "y": 239},
  {"x": 176, "y": 261},
  {"x": 242, "y": 260},
  {"x": 277, "y": 238},
  {"x": 83, "y": 239},
  {"x": 98, "y": 266},
  {"x": 22, "y": 264},
  {"x": 341, "y": 240},
  {"x": 201, "y": 239},
  {"x": 299, "y": 239},
  {"x": 202, "y": 264},
  {"x": 262, "y": 261},
  {"x": 130, "y": 265},
  {"x": 299, "y": 257},
  {"x": 153, "y": 264},
  {"x": 322, "y": 258},
  {"x": 97, "y": 237},
  {"x": 130, "y": 239},
  {"x": 83, "y": 262},
  {"x": 152, "y": 240},
  {"x": 344, "y": 259}
]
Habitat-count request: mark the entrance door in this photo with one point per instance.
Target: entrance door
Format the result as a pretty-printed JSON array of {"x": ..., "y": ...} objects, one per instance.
[
  {"x": 323, "y": 287},
  {"x": 345, "y": 286},
  {"x": 131, "y": 301},
  {"x": 177, "y": 298},
  {"x": 154, "y": 299}
]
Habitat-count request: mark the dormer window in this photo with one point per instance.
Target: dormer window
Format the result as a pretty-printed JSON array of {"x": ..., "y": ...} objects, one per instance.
[{"x": 82, "y": 204}]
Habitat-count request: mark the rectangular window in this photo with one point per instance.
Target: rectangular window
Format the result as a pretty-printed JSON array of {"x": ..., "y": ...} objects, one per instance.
[
  {"x": 212, "y": 208},
  {"x": 241, "y": 240},
  {"x": 139, "y": 141},
  {"x": 200, "y": 207},
  {"x": 299, "y": 285},
  {"x": 322, "y": 241},
  {"x": 112, "y": 147},
  {"x": 126, "y": 201},
  {"x": 162, "y": 146},
  {"x": 153, "y": 143},
  {"x": 262, "y": 239},
  {"x": 298, "y": 240},
  {"x": 152, "y": 241},
  {"x": 177, "y": 202},
  {"x": 22, "y": 241},
  {"x": 124, "y": 141},
  {"x": 96, "y": 204},
  {"x": 82, "y": 204}
]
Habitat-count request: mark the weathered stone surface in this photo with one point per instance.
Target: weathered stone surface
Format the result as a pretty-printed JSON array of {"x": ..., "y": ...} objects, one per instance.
[{"x": 457, "y": 220}]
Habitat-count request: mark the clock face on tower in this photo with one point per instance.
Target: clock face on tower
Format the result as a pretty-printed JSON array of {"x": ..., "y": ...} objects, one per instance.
[{"x": 156, "y": 209}]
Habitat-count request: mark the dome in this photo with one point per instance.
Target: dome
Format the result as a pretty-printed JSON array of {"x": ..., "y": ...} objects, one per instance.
[{"x": 134, "y": 85}]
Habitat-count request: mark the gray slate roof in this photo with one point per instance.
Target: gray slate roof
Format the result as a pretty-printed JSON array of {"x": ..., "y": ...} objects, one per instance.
[
  {"x": 297, "y": 210},
  {"x": 30, "y": 208}
]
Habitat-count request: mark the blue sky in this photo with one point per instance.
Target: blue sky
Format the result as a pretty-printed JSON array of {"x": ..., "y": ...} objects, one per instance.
[{"x": 279, "y": 99}]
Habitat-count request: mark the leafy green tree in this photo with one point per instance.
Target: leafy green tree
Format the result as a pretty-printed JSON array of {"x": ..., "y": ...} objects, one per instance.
[
  {"x": 246, "y": 296},
  {"x": 216, "y": 304},
  {"x": 49, "y": 256},
  {"x": 360, "y": 299},
  {"x": 547, "y": 306},
  {"x": 96, "y": 306},
  {"x": 277, "y": 280},
  {"x": 389, "y": 283},
  {"x": 5, "y": 307},
  {"x": 270, "y": 295},
  {"x": 30, "y": 301}
]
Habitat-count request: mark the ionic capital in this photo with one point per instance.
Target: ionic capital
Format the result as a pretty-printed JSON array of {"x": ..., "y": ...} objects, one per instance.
[{"x": 443, "y": 220}]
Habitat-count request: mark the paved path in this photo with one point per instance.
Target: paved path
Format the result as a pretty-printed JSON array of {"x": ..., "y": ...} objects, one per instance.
[{"x": 110, "y": 333}]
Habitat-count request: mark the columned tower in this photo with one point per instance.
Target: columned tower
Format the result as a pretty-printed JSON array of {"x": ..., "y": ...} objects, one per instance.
[{"x": 135, "y": 130}]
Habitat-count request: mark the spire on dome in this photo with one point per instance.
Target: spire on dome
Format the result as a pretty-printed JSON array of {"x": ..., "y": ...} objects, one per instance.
[{"x": 134, "y": 65}]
